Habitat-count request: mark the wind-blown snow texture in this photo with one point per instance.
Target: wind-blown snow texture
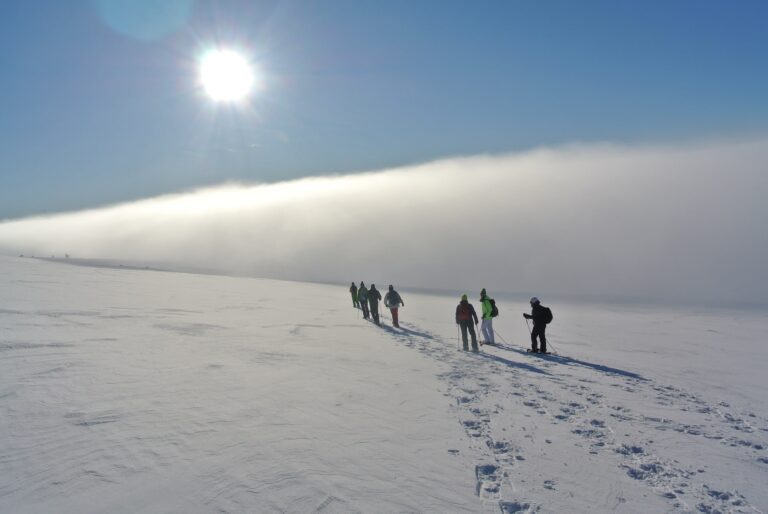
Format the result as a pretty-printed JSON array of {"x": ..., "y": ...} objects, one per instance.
[{"x": 145, "y": 391}]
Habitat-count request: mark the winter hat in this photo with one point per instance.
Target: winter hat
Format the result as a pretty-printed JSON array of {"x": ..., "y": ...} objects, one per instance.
[
  {"x": 390, "y": 287},
  {"x": 534, "y": 301},
  {"x": 482, "y": 292},
  {"x": 463, "y": 298},
  {"x": 373, "y": 286}
]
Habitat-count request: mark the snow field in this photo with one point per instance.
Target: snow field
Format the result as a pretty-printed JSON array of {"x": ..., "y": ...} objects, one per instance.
[{"x": 144, "y": 391}]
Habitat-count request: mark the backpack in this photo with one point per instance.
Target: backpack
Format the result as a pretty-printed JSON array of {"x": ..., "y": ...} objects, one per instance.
[
  {"x": 547, "y": 315},
  {"x": 494, "y": 309},
  {"x": 464, "y": 312}
]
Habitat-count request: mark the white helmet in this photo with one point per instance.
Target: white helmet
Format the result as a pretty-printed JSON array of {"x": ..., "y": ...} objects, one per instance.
[{"x": 534, "y": 300}]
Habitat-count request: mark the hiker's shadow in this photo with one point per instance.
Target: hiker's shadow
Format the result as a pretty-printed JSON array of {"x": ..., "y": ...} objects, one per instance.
[
  {"x": 570, "y": 361},
  {"x": 402, "y": 331},
  {"x": 511, "y": 364},
  {"x": 416, "y": 333}
]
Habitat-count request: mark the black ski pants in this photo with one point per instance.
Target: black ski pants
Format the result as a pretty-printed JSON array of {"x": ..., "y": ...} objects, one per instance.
[
  {"x": 364, "y": 306},
  {"x": 538, "y": 331},
  {"x": 467, "y": 326},
  {"x": 375, "y": 311}
]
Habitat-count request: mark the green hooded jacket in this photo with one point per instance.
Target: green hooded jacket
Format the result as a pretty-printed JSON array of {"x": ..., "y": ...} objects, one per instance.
[{"x": 487, "y": 307}]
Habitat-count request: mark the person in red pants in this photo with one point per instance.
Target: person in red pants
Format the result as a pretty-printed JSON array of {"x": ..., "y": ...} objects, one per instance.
[{"x": 393, "y": 301}]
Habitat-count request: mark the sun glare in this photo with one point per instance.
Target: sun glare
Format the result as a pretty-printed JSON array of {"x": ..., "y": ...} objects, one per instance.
[{"x": 226, "y": 76}]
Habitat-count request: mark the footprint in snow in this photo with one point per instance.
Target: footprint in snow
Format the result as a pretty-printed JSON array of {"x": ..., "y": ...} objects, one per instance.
[
  {"x": 513, "y": 507},
  {"x": 487, "y": 480}
]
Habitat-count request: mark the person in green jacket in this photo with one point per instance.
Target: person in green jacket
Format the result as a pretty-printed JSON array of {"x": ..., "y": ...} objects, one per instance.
[
  {"x": 486, "y": 328},
  {"x": 353, "y": 292},
  {"x": 362, "y": 297}
]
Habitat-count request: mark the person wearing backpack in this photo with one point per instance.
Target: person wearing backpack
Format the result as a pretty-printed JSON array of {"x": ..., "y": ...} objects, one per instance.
[
  {"x": 541, "y": 316},
  {"x": 465, "y": 314},
  {"x": 393, "y": 301},
  {"x": 353, "y": 292},
  {"x": 373, "y": 302},
  {"x": 362, "y": 297},
  {"x": 486, "y": 328}
]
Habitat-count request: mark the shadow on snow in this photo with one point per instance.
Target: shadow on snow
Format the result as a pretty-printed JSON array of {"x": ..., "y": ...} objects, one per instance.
[
  {"x": 570, "y": 361},
  {"x": 511, "y": 364}
]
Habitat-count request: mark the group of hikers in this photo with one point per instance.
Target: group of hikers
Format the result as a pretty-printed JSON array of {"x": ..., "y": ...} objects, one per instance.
[
  {"x": 367, "y": 300},
  {"x": 466, "y": 315}
]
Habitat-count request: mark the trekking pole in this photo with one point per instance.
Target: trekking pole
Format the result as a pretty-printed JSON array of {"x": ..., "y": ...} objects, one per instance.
[{"x": 499, "y": 336}]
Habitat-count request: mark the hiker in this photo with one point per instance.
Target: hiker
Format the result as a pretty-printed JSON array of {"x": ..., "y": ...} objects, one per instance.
[
  {"x": 393, "y": 301},
  {"x": 353, "y": 291},
  {"x": 541, "y": 316},
  {"x": 373, "y": 302},
  {"x": 486, "y": 328},
  {"x": 465, "y": 314},
  {"x": 362, "y": 298}
]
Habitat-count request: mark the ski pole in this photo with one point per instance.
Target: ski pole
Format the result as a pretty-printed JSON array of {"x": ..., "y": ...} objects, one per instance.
[{"x": 499, "y": 336}]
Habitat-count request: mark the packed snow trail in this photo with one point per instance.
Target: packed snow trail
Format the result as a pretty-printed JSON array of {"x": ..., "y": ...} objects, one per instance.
[{"x": 541, "y": 422}]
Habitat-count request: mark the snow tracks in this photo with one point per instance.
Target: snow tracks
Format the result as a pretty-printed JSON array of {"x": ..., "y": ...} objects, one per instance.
[{"x": 553, "y": 434}]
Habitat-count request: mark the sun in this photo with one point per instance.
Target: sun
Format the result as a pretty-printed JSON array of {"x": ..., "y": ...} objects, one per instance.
[{"x": 226, "y": 75}]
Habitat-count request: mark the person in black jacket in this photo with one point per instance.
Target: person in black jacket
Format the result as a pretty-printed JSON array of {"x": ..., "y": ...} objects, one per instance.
[
  {"x": 373, "y": 302},
  {"x": 539, "y": 316},
  {"x": 465, "y": 313},
  {"x": 353, "y": 291}
]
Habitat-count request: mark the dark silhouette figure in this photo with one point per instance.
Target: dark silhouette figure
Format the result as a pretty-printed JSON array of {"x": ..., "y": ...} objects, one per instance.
[
  {"x": 539, "y": 315},
  {"x": 353, "y": 292},
  {"x": 465, "y": 314},
  {"x": 373, "y": 302},
  {"x": 362, "y": 297}
]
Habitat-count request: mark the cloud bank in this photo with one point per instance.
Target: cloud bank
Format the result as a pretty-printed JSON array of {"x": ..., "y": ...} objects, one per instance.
[{"x": 677, "y": 224}]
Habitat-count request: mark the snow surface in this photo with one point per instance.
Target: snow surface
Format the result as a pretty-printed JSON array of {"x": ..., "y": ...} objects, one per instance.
[{"x": 127, "y": 390}]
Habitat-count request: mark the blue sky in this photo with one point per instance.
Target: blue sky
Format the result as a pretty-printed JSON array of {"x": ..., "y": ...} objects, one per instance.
[{"x": 93, "y": 113}]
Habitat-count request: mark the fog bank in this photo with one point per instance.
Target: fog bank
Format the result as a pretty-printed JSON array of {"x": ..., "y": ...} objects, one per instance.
[{"x": 678, "y": 224}]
